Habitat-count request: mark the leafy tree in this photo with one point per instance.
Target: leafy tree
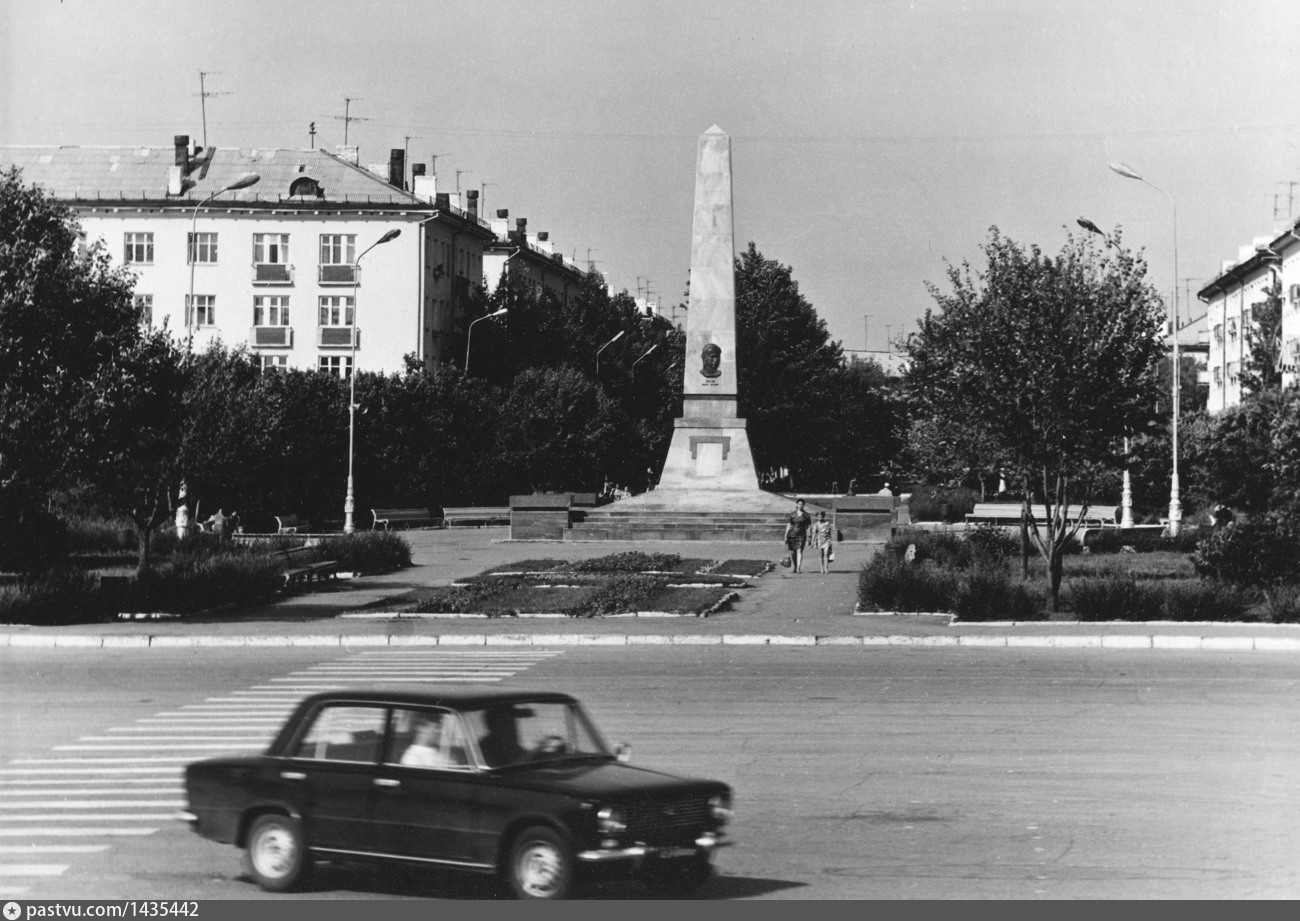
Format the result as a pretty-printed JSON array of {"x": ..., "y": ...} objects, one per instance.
[
  {"x": 65, "y": 319},
  {"x": 1054, "y": 357},
  {"x": 789, "y": 373},
  {"x": 1261, "y": 371}
]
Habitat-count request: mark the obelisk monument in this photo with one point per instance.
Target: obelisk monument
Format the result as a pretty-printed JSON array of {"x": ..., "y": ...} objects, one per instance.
[{"x": 709, "y": 463}]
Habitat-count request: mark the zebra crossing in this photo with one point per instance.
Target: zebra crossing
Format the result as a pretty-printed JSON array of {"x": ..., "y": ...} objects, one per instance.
[{"x": 125, "y": 782}]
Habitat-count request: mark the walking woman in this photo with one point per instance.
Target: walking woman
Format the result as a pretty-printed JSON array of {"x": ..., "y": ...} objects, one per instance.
[
  {"x": 796, "y": 534},
  {"x": 822, "y": 536}
]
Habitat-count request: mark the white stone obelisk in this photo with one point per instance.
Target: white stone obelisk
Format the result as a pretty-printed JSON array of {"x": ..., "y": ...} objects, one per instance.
[{"x": 709, "y": 461}]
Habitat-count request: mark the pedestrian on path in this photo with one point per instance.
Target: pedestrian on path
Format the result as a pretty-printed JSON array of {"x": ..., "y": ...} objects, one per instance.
[
  {"x": 796, "y": 534},
  {"x": 822, "y": 540}
]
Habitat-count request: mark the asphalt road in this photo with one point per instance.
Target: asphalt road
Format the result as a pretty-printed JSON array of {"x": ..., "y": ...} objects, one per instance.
[{"x": 870, "y": 772}]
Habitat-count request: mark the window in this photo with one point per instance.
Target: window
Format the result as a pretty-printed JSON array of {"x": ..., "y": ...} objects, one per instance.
[
  {"x": 271, "y": 248},
  {"x": 343, "y": 734},
  {"x": 139, "y": 248},
  {"x": 204, "y": 312},
  {"x": 429, "y": 739},
  {"x": 338, "y": 365},
  {"x": 202, "y": 248},
  {"x": 336, "y": 310},
  {"x": 338, "y": 252},
  {"x": 144, "y": 305},
  {"x": 273, "y": 362},
  {"x": 271, "y": 258},
  {"x": 271, "y": 310}
]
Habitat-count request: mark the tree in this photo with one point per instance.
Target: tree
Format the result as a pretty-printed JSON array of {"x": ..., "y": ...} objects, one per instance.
[
  {"x": 1055, "y": 357},
  {"x": 1262, "y": 370},
  {"x": 790, "y": 371},
  {"x": 66, "y": 317}
]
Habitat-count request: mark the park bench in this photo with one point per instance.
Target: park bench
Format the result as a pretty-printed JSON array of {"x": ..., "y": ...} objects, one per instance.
[
  {"x": 480, "y": 515},
  {"x": 1007, "y": 513},
  {"x": 408, "y": 516},
  {"x": 287, "y": 524},
  {"x": 302, "y": 565}
]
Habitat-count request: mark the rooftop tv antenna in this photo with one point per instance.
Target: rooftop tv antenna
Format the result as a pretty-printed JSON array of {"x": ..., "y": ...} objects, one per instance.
[
  {"x": 347, "y": 117},
  {"x": 203, "y": 95}
]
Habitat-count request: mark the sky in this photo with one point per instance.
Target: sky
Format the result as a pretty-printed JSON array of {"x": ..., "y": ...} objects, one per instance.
[{"x": 874, "y": 143}]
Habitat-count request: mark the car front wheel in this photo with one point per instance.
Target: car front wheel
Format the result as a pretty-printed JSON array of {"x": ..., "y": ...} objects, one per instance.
[
  {"x": 276, "y": 856},
  {"x": 541, "y": 865}
]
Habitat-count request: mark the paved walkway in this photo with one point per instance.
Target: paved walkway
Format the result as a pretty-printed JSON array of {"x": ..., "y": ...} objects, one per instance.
[{"x": 781, "y": 608}]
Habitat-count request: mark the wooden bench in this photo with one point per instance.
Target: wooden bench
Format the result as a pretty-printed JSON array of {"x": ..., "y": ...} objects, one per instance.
[
  {"x": 480, "y": 515},
  {"x": 1008, "y": 513},
  {"x": 302, "y": 565},
  {"x": 409, "y": 516},
  {"x": 287, "y": 524}
]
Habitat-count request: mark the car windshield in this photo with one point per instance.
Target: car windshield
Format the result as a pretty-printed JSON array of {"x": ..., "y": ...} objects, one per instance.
[{"x": 534, "y": 731}]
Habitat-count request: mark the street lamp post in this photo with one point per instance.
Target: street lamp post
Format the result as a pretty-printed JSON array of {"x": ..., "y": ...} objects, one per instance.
[
  {"x": 242, "y": 182},
  {"x": 644, "y": 355},
  {"x": 349, "y": 503},
  {"x": 1126, "y": 491},
  {"x": 469, "y": 336},
  {"x": 605, "y": 346},
  {"x": 1175, "y": 504}
]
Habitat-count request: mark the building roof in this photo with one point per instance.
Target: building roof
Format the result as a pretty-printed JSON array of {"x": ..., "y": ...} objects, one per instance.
[{"x": 90, "y": 175}]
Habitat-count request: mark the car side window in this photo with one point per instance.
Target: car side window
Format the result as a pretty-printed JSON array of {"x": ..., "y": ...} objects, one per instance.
[
  {"x": 343, "y": 733},
  {"x": 427, "y": 738}
]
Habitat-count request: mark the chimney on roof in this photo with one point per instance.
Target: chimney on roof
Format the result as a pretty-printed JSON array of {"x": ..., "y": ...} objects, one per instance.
[
  {"x": 442, "y": 201},
  {"x": 499, "y": 225},
  {"x": 181, "y": 143},
  {"x": 417, "y": 169},
  {"x": 397, "y": 167},
  {"x": 521, "y": 230},
  {"x": 472, "y": 203}
]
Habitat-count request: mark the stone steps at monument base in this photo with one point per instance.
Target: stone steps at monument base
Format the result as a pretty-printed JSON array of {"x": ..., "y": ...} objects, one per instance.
[{"x": 682, "y": 526}]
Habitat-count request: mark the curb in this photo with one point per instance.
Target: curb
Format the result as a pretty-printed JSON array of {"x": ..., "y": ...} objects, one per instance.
[{"x": 1102, "y": 641}]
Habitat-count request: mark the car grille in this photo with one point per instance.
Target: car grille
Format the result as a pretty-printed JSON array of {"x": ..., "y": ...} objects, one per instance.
[{"x": 665, "y": 820}]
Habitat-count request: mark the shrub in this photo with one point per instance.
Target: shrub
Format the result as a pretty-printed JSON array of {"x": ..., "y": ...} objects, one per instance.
[
  {"x": 35, "y": 541},
  {"x": 993, "y": 539},
  {"x": 1281, "y": 604},
  {"x": 942, "y": 548},
  {"x": 624, "y": 593},
  {"x": 889, "y": 583},
  {"x": 54, "y": 597},
  {"x": 368, "y": 551},
  {"x": 1255, "y": 553},
  {"x": 1204, "y": 600},
  {"x": 989, "y": 593},
  {"x": 201, "y": 579},
  {"x": 101, "y": 535},
  {"x": 1116, "y": 598},
  {"x": 951, "y": 505}
]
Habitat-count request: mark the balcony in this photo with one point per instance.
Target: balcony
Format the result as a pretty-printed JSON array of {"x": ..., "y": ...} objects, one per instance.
[
  {"x": 271, "y": 337},
  {"x": 337, "y": 274},
  {"x": 337, "y": 337},
  {"x": 272, "y": 273}
]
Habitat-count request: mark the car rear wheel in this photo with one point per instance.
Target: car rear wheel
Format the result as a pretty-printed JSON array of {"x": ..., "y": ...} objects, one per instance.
[
  {"x": 541, "y": 865},
  {"x": 276, "y": 856},
  {"x": 678, "y": 875}
]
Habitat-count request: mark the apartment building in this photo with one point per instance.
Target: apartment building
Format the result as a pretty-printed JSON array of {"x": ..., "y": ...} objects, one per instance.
[
  {"x": 1233, "y": 299},
  {"x": 291, "y": 264}
]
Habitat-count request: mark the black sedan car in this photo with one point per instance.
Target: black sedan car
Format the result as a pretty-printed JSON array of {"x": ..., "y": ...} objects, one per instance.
[{"x": 505, "y": 782}]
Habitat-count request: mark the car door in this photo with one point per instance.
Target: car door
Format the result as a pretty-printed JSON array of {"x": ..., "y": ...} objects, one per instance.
[
  {"x": 423, "y": 797},
  {"x": 331, "y": 766}
]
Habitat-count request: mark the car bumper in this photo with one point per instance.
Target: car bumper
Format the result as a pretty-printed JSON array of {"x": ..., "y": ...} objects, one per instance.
[{"x": 705, "y": 844}]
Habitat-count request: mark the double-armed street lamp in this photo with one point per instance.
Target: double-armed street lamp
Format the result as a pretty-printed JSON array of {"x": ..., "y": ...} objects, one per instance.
[
  {"x": 349, "y": 503},
  {"x": 469, "y": 336},
  {"x": 242, "y": 182},
  {"x": 1175, "y": 504}
]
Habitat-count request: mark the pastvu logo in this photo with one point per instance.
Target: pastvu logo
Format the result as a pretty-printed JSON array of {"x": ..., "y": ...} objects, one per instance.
[{"x": 13, "y": 911}]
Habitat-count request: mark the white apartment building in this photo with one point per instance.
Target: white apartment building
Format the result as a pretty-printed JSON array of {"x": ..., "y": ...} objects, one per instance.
[
  {"x": 1231, "y": 298},
  {"x": 287, "y": 266}
]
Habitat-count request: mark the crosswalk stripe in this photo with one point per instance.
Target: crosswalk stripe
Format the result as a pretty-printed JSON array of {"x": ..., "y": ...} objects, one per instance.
[
  {"x": 98, "y": 804},
  {"x": 94, "y": 817},
  {"x": 32, "y": 869},
  {"x": 52, "y": 848},
  {"x": 46, "y": 831},
  {"x": 90, "y": 791}
]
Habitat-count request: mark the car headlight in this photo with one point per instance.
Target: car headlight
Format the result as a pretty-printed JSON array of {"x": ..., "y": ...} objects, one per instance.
[
  {"x": 609, "y": 821},
  {"x": 720, "y": 808}
]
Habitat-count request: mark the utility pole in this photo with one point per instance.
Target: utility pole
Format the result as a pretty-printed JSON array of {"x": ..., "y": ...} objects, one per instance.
[
  {"x": 347, "y": 117},
  {"x": 433, "y": 163},
  {"x": 482, "y": 197},
  {"x": 406, "y": 149},
  {"x": 1187, "y": 295},
  {"x": 311, "y": 129},
  {"x": 866, "y": 333},
  {"x": 203, "y": 95},
  {"x": 458, "y": 172}
]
